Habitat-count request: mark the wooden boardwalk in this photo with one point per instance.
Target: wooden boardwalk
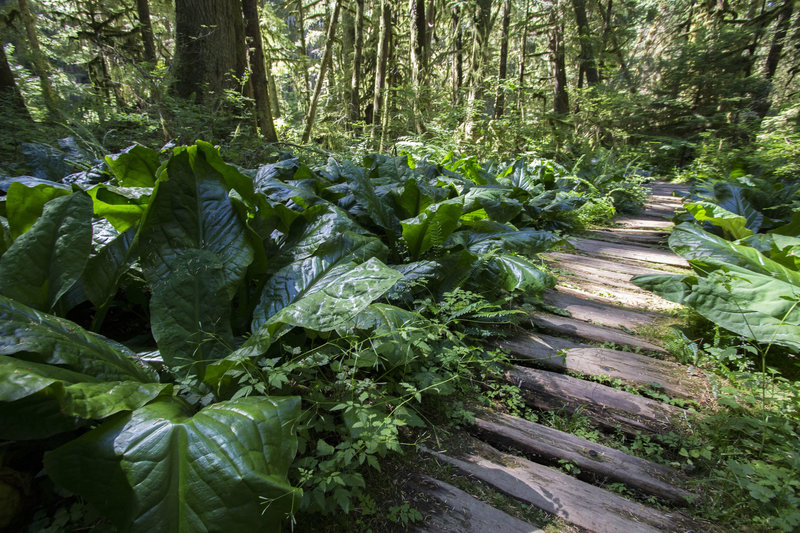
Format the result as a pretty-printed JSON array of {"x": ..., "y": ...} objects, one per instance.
[{"x": 559, "y": 366}]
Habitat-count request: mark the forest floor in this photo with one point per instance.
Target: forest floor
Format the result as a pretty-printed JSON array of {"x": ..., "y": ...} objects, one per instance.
[{"x": 601, "y": 372}]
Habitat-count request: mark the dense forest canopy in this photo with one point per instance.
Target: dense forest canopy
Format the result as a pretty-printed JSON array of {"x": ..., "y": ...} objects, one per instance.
[{"x": 561, "y": 78}]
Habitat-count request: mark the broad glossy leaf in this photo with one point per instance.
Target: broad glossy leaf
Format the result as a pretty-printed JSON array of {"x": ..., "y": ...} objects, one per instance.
[
  {"x": 496, "y": 201},
  {"x": 417, "y": 195},
  {"x": 753, "y": 305},
  {"x": 414, "y": 274},
  {"x": 134, "y": 167},
  {"x": 733, "y": 225},
  {"x": 48, "y": 339},
  {"x": 38, "y": 400},
  {"x": 45, "y": 262},
  {"x": 24, "y": 204},
  {"x": 103, "y": 271},
  {"x": 165, "y": 468},
  {"x": 30, "y": 181},
  {"x": 317, "y": 275},
  {"x": 377, "y": 207},
  {"x": 392, "y": 332},
  {"x": 513, "y": 272},
  {"x": 5, "y": 236},
  {"x": 123, "y": 207},
  {"x": 695, "y": 244},
  {"x": 432, "y": 227},
  {"x": 731, "y": 197},
  {"x": 484, "y": 237},
  {"x": 194, "y": 253}
]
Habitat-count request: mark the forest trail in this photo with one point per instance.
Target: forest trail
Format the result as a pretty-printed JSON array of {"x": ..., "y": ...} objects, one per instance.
[{"x": 562, "y": 364}]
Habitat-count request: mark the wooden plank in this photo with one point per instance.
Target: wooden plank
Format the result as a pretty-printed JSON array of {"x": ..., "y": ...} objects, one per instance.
[
  {"x": 555, "y": 445},
  {"x": 624, "y": 251},
  {"x": 600, "y": 313},
  {"x": 615, "y": 293},
  {"x": 591, "y": 332},
  {"x": 579, "y": 503},
  {"x": 647, "y": 237},
  {"x": 642, "y": 222},
  {"x": 464, "y": 514},
  {"x": 602, "y": 267},
  {"x": 635, "y": 369},
  {"x": 608, "y": 407}
]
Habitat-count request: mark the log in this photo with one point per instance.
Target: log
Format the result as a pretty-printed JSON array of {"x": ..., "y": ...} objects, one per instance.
[
  {"x": 592, "y": 508},
  {"x": 600, "y": 267},
  {"x": 608, "y": 407},
  {"x": 464, "y": 514},
  {"x": 600, "y": 313},
  {"x": 569, "y": 326},
  {"x": 634, "y": 369},
  {"x": 628, "y": 252},
  {"x": 554, "y": 445}
]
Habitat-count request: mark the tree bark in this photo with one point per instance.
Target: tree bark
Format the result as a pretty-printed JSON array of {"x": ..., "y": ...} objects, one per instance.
[
  {"x": 9, "y": 91},
  {"x": 384, "y": 37},
  {"x": 482, "y": 27},
  {"x": 323, "y": 68},
  {"x": 258, "y": 76},
  {"x": 778, "y": 39},
  {"x": 503, "y": 67},
  {"x": 558, "y": 69},
  {"x": 209, "y": 47},
  {"x": 523, "y": 50},
  {"x": 418, "y": 32},
  {"x": 358, "y": 47},
  {"x": 304, "y": 53},
  {"x": 146, "y": 30},
  {"x": 39, "y": 60},
  {"x": 457, "y": 72},
  {"x": 587, "y": 61}
]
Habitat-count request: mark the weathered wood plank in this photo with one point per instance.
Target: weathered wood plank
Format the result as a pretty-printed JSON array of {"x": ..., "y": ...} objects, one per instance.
[
  {"x": 579, "y": 503},
  {"x": 625, "y": 251},
  {"x": 614, "y": 292},
  {"x": 635, "y": 369},
  {"x": 608, "y": 407},
  {"x": 643, "y": 222},
  {"x": 601, "y": 267},
  {"x": 646, "y": 237},
  {"x": 599, "y": 313},
  {"x": 464, "y": 514},
  {"x": 592, "y": 332},
  {"x": 555, "y": 445}
]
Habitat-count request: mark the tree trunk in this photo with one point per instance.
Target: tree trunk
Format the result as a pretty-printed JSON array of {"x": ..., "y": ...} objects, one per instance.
[
  {"x": 778, "y": 39},
  {"x": 258, "y": 71},
  {"x": 523, "y": 49},
  {"x": 304, "y": 53},
  {"x": 418, "y": 28},
  {"x": 503, "y": 68},
  {"x": 39, "y": 60},
  {"x": 323, "y": 68},
  {"x": 587, "y": 61},
  {"x": 274, "y": 101},
  {"x": 146, "y": 30},
  {"x": 482, "y": 26},
  {"x": 457, "y": 73},
  {"x": 209, "y": 48},
  {"x": 384, "y": 36},
  {"x": 9, "y": 92},
  {"x": 358, "y": 46},
  {"x": 558, "y": 69}
]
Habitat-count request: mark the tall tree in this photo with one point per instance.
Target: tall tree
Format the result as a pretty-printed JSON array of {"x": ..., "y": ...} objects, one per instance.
[
  {"x": 523, "y": 54},
  {"x": 358, "y": 47},
  {"x": 384, "y": 39},
  {"x": 38, "y": 58},
  {"x": 209, "y": 47},
  {"x": 417, "y": 48},
  {"x": 775, "y": 50},
  {"x": 558, "y": 68},
  {"x": 587, "y": 63},
  {"x": 457, "y": 58},
  {"x": 323, "y": 68},
  {"x": 9, "y": 92},
  {"x": 499, "y": 103},
  {"x": 146, "y": 30},
  {"x": 482, "y": 25},
  {"x": 258, "y": 76}
]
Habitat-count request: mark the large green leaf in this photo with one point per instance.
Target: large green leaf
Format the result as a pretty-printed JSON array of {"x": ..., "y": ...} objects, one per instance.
[
  {"x": 38, "y": 400},
  {"x": 5, "y": 236},
  {"x": 731, "y": 197},
  {"x": 24, "y": 204},
  {"x": 163, "y": 468},
  {"x": 123, "y": 207},
  {"x": 695, "y": 244},
  {"x": 485, "y": 236},
  {"x": 105, "y": 269},
  {"x": 733, "y": 225},
  {"x": 194, "y": 253},
  {"x": 432, "y": 227},
  {"x": 514, "y": 272},
  {"x": 134, "y": 167},
  {"x": 495, "y": 201},
  {"x": 753, "y": 305},
  {"x": 377, "y": 207},
  {"x": 45, "y": 262},
  {"x": 48, "y": 339},
  {"x": 392, "y": 332}
]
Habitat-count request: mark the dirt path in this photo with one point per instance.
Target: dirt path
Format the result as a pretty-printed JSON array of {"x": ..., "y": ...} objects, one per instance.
[{"x": 558, "y": 367}]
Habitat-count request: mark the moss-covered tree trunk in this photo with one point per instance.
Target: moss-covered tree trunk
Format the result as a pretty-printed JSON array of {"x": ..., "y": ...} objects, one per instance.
[
  {"x": 9, "y": 92},
  {"x": 38, "y": 59},
  {"x": 323, "y": 68},
  {"x": 209, "y": 48},
  {"x": 146, "y": 30},
  {"x": 258, "y": 72},
  {"x": 502, "y": 70}
]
